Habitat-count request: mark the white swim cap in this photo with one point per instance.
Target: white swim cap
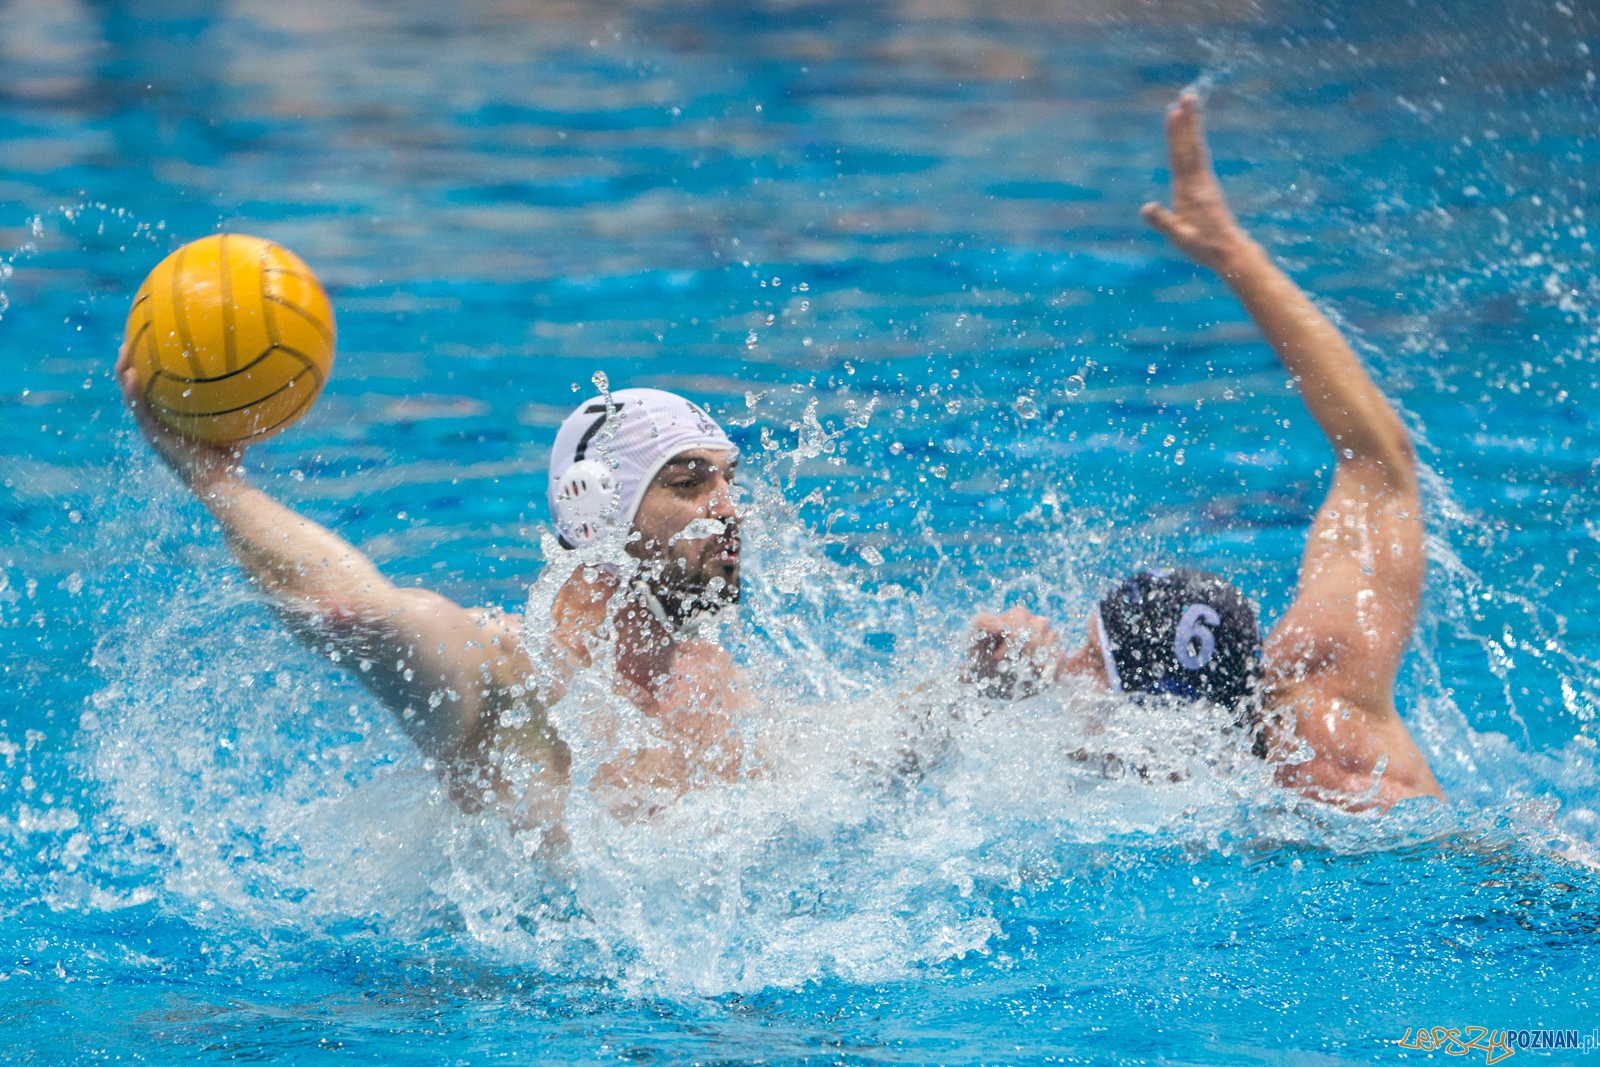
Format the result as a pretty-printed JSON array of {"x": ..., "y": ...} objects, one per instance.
[{"x": 600, "y": 467}]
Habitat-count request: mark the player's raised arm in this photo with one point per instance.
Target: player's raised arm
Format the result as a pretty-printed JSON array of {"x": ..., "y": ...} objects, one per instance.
[
  {"x": 446, "y": 671},
  {"x": 1330, "y": 663}
]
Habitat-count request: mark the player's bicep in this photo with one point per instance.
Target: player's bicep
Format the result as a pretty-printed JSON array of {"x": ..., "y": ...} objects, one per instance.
[{"x": 1359, "y": 587}]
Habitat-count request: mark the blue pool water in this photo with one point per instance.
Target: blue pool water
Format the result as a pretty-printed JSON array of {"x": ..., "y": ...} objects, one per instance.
[{"x": 214, "y": 846}]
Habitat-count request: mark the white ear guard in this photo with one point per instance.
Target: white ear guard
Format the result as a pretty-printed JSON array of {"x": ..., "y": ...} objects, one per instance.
[{"x": 585, "y": 502}]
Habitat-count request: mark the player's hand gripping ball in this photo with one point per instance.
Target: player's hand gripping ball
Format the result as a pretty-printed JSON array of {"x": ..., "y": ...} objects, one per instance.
[{"x": 231, "y": 339}]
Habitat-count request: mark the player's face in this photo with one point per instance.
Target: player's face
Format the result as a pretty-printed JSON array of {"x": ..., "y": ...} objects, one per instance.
[{"x": 696, "y": 569}]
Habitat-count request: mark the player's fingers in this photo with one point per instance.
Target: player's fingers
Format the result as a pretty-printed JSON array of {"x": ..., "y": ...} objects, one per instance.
[
  {"x": 128, "y": 382},
  {"x": 1159, "y": 218},
  {"x": 1186, "y": 149}
]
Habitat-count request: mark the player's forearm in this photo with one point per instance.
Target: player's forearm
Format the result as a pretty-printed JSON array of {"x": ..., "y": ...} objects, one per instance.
[
  {"x": 1354, "y": 414},
  {"x": 304, "y": 567}
]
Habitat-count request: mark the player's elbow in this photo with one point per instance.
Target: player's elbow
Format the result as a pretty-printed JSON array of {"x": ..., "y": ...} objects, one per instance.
[
  {"x": 1388, "y": 451},
  {"x": 331, "y": 615},
  {"x": 1399, "y": 458}
]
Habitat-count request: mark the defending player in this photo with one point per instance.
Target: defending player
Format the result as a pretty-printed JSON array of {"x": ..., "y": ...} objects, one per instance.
[{"x": 1327, "y": 670}]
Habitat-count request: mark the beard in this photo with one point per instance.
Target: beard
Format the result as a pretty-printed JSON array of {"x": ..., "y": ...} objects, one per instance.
[{"x": 688, "y": 586}]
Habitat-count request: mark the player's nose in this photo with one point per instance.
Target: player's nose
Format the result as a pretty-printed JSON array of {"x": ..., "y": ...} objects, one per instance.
[{"x": 722, "y": 504}]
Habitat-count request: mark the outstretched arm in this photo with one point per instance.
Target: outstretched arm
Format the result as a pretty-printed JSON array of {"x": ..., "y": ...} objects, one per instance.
[
  {"x": 1330, "y": 663},
  {"x": 446, "y": 671}
]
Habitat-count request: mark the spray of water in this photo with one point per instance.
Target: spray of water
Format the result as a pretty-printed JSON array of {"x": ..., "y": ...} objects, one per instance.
[{"x": 881, "y": 811}]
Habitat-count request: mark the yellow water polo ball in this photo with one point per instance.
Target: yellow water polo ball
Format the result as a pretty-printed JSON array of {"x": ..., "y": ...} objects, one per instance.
[{"x": 231, "y": 338}]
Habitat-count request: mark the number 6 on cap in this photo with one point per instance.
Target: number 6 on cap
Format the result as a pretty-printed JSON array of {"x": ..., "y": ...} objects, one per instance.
[{"x": 1196, "y": 625}]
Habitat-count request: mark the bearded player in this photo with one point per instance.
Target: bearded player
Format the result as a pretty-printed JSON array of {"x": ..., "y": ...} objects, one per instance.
[{"x": 462, "y": 681}]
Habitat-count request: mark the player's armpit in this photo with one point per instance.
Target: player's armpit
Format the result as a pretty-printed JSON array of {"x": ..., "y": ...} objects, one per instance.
[{"x": 1360, "y": 756}]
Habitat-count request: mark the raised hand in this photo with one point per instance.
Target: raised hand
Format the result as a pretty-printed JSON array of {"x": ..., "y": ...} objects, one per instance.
[
  {"x": 1199, "y": 221},
  {"x": 193, "y": 461}
]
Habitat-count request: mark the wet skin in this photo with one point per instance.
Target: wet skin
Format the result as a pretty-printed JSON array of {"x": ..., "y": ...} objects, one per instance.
[{"x": 688, "y": 685}]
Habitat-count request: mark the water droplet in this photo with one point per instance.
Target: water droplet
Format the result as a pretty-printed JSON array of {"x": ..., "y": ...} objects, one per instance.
[
  {"x": 940, "y": 471},
  {"x": 952, "y": 406},
  {"x": 872, "y": 555},
  {"x": 804, "y": 288},
  {"x": 700, "y": 529},
  {"x": 1072, "y": 386},
  {"x": 1178, "y": 458},
  {"x": 1168, "y": 441},
  {"x": 601, "y": 382},
  {"x": 751, "y": 341},
  {"x": 1026, "y": 407},
  {"x": 896, "y": 448},
  {"x": 74, "y": 581},
  {"x": 298, "y": 475}
]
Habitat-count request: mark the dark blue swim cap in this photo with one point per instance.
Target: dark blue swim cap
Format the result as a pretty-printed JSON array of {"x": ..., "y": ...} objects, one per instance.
[{"x": 1185, "y": 632}]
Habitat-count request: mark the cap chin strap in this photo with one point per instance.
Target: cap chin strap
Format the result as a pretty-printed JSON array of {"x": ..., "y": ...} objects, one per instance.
[
  {"x": 682, "y": 630},
  {"x": 1099, "y": 625}
]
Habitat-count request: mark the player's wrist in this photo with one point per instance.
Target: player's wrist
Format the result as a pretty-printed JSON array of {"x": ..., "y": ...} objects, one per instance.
[
  {"x": 213, "y": 476},
  {"x": 1237, "y": 257}
]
